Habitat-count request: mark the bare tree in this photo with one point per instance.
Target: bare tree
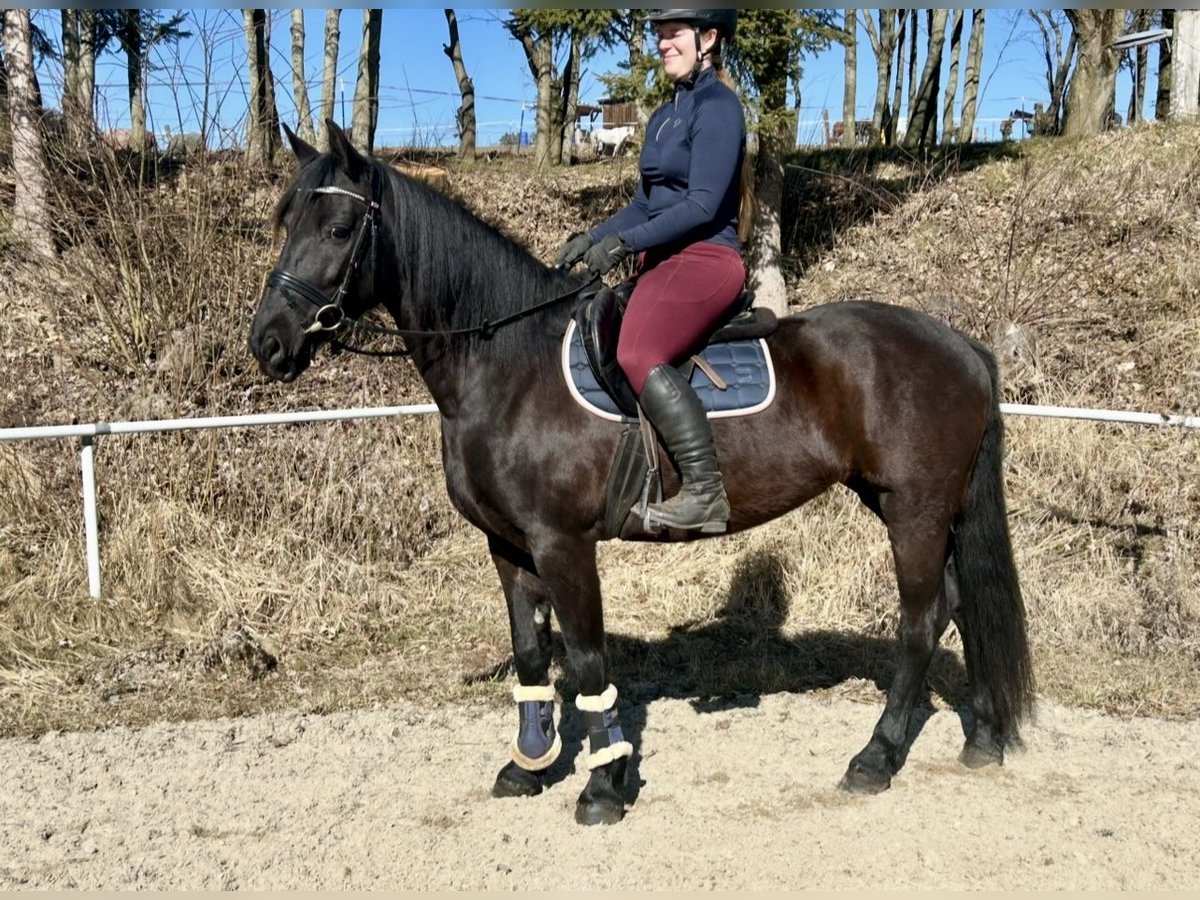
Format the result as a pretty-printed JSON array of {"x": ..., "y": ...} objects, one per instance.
[
  {"x": 956, "y": 30},
  {"x": 465, "y": 117},
  {"x": 539, "y": 53},
  {"x": 850, "y": 82},
  {"x": 922, "y": 117},
  {"x": 333, "y": 36},
  {"x": 366, "y": 88},
  {"x": 1092, "y": 91},
  {"x": 1059, "y": 55},
  {"x": 30, "y": 216},
  {"x": 262, "y": 125},
  {"x": 883, "y": 42},
  {"x": 898, "y": 94},
  {"x": 970, "y": 104},
  {"x": 299, "y": 82},
  {"x": 79, "y": 35}
]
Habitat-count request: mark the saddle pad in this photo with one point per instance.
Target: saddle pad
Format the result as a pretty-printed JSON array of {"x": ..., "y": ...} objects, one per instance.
[{"x": 744, "y": 365}]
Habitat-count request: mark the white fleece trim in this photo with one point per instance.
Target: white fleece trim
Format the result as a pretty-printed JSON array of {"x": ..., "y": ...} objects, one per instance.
[
  {"x": 602, "y": 703},
  {"x": 613, "y": 752},
  {"x": 536, "y": 765},
  {"x": 534, "y": 693}
]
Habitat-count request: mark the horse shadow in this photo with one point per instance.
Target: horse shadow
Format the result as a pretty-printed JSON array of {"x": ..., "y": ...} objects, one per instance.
[{"x": 733, "y": 660}]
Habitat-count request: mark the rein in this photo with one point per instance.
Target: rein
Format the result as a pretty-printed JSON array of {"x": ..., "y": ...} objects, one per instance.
[{"x": 330, "y": 317}]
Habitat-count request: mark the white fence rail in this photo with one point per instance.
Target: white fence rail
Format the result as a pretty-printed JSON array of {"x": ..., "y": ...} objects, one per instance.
[{"x": 88, "y": 433}]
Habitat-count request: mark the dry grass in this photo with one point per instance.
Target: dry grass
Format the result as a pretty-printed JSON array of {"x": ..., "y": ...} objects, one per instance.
[{"x": 321, "y": 567}]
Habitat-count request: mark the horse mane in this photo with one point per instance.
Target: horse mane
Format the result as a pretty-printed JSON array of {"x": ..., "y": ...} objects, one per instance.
[{"x": 462, "y": 271}]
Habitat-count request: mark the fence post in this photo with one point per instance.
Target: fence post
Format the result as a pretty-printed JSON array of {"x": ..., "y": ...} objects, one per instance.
[{"x": 87, "y": 460}]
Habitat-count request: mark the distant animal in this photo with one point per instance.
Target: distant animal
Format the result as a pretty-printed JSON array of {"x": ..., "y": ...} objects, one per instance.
[
  {"x": 125, "y": 139},
  {"x": 887, "y": 401},
  {"x": 612, "y": 140}
]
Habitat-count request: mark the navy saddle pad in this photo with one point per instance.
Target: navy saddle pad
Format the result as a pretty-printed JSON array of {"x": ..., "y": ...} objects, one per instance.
[{"x": 745, "y": 366}]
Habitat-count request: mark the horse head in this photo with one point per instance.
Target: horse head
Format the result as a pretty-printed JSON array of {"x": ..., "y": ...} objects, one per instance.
[{"x": 330, "y": 214}]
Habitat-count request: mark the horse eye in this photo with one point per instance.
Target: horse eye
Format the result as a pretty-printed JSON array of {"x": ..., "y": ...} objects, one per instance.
[{"x": 339, "y": 232}]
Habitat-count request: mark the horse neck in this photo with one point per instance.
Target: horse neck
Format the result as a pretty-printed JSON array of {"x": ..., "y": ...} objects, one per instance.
[{"x": 456, "y": 272}]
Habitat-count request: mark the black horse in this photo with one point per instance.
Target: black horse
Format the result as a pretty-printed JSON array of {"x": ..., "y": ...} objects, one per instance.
[{"x": 887, "y": 401}]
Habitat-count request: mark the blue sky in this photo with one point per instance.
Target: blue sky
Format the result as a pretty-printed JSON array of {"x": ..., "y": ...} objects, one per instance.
[{"x": 419, "y": 95}]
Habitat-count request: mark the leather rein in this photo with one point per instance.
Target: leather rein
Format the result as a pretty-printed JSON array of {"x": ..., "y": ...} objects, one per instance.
[{"x": 331, "y": 318}]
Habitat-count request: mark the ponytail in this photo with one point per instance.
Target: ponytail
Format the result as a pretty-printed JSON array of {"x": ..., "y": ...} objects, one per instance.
[{"x": 747, "y": 208}]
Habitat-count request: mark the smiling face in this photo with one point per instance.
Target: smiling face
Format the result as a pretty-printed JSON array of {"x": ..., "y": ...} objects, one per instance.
[{"x": 677, "y": 47}]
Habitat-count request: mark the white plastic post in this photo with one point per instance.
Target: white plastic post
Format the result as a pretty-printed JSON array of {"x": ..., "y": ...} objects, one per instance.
[{"x": 91, "y": 527}]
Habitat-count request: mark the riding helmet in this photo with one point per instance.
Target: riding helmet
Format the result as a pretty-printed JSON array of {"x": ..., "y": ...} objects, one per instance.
[{"x": 724, "y": 20}]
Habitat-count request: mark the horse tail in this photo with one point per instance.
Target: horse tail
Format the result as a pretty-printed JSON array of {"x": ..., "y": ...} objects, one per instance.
[{"x": 991, "y": 613}]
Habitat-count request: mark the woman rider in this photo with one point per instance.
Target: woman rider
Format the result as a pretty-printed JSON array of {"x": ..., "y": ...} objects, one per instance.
[{"x": 683, "y": 225}]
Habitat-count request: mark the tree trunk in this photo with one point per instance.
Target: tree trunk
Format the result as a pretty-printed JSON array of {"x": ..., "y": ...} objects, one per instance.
[
  {"x": 538, "y": 53},
  {"x": 776, "y": 134},
  {"x": 366, "y": 89},
  {"x": 329, "y": 73},
  {"x": 1162, "y": 97},
  {"x": 883, "y": 42},
  {"x": 898, "y": 94},
  {"x": 132, "y": 43},
  {"x": 956, "y": 30},
  {"x": 260, "y": 116},
  {"x": 922, "y": 120},
  {"x": 1093, "y": 84},
  {"x": 913, "y": 40},
  {"x": 850, "y": 81},
  {"x": 966, "y": 130},
  {"x": 30, "y": 216},
  {"x": 466, "y": 110},
  {"x": 79, "y": 74},
  {"x": 1185, "y": 64},
  {"x": 304, "y": 124},
  {"x": 570, "y": 99}
]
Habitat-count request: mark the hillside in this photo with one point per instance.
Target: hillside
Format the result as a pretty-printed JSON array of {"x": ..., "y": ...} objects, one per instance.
[{"x": 332, "y": 551}]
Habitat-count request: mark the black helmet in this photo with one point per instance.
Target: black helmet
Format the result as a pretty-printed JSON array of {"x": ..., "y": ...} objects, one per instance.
[{"x": 724, "y": 20}]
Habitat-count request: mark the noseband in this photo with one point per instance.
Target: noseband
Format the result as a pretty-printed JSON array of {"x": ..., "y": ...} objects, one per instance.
[{"x": 330, "y": 316}]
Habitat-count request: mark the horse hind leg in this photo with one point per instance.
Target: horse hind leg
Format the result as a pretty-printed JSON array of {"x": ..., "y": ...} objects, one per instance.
[{"x": 925, "y": 606}]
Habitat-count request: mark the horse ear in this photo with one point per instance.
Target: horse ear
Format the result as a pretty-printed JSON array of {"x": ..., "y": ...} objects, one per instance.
[
  {"x": 304, "y": 151},
  {"x": 352, "y": 162}
]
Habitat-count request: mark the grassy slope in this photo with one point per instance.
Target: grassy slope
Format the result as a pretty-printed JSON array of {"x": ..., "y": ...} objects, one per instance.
[{"x": 333, "y": 550}]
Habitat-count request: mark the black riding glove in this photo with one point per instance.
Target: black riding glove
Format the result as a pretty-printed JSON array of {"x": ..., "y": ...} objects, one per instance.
[
  {"x": 572, "y": 250},
  {"x": 603, "y": 257}
]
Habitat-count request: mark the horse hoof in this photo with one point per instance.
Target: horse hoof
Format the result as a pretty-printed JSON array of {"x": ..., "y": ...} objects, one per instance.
[
  {"x": 975, "y": 757},
  {"x": 597, "y": 812},
  {"x": 513, "y": 781},
  {"x": 860, "y": 781}
]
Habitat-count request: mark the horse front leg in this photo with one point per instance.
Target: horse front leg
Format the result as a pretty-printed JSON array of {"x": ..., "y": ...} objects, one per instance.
[
  {"x": 537, "y": 744},
  {"x": 568, "y": 570}
]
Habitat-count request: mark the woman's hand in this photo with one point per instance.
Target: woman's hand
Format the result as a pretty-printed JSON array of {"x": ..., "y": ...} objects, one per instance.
[
  {"x": 572, "y": 251},
  {"x": 603, "y": 257}
]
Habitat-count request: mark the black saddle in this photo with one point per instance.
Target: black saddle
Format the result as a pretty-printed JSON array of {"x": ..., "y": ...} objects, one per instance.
[{"x": 599, "y": 316}]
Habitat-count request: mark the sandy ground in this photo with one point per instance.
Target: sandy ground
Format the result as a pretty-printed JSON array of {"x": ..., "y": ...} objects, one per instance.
[{"x": 736, "y": 795}]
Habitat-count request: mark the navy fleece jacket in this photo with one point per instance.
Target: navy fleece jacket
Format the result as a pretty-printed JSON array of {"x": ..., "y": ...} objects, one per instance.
[{"x": 691, "y": 171}]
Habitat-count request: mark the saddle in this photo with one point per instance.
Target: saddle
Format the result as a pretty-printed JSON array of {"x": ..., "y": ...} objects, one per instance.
[
  {"x": 735, "y": 377},
  {"x": 598, "y": 320}
]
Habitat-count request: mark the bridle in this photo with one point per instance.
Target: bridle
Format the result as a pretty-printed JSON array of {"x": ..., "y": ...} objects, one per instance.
[{"x": 330, "y": 317}]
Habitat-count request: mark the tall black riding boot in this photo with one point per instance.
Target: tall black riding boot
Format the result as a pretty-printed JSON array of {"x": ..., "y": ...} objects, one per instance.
[{"x": 676, "y": 412}]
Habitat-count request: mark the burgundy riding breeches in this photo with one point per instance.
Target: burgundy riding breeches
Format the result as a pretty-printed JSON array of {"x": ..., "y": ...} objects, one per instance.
[{"x": 678, "y": 301}]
